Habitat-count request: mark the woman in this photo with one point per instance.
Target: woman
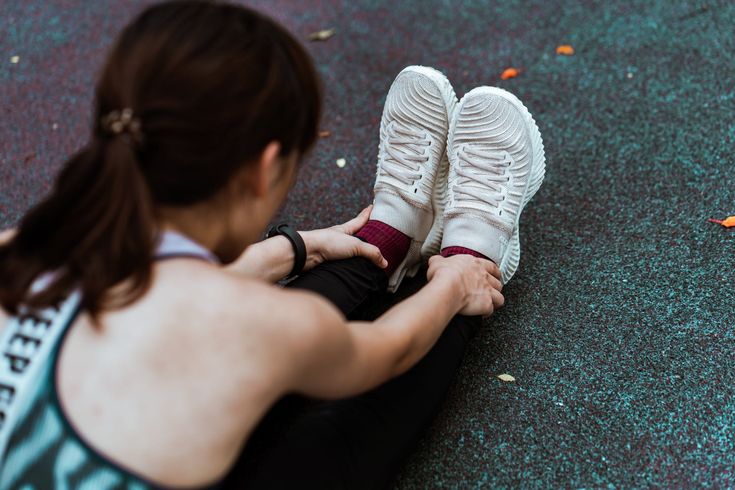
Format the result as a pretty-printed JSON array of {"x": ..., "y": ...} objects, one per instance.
[{"x": 145, "y": 342}]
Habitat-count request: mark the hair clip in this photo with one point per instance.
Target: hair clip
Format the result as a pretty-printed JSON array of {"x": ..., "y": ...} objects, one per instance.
[{"x": 119, "y": 122}]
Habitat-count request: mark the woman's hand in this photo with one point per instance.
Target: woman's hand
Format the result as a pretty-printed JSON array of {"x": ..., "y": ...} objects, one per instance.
[
  {"x": 337, "y": 243},
  {"x": 478, "y": 281}
]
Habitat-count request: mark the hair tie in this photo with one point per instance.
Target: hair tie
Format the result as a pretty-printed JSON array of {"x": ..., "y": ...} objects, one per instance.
[{"x": 122, "y": 122}]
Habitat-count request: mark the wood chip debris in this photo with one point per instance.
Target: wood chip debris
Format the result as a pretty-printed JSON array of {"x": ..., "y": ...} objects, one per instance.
[
  {"x": 322, "y": 35},
  {"x": 325, "y": 134},
  {"x": 565, "y": 49},
  {"x": 341, "y": 162},
  {"x": 510, "y": 73},
  {"x": 506, "y": 377}
]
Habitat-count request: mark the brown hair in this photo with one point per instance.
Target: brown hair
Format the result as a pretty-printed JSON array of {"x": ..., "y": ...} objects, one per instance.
[{"x": 211, "y": 85}]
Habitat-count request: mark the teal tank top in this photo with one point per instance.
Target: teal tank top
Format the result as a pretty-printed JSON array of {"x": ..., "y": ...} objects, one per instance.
[{"x": 45, "y": 451}]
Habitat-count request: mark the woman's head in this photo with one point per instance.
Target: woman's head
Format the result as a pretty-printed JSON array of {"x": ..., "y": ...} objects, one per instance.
[
  {"x": 218, "y": 103},
  {"x": 212, "y": 85}
]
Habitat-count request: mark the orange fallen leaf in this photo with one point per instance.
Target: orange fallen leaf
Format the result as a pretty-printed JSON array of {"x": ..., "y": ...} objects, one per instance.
[
  {"x": 510, "y": 73},
  {"x": 565, "y": 49},
  {"x": 727, "y": 222}
]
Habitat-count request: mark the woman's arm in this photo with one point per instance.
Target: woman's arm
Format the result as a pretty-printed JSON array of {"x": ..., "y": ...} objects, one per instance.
[
  {"x": 270, "y": 260},
  {"x": 335, "y": 358},
  {"x": 273, "y": 259}
]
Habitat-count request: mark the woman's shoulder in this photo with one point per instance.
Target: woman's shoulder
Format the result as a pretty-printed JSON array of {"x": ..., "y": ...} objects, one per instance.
[
  {"x": 257, "y": 332},
  {"x": 202, "y": 291},
  {"x": 237, "y": 307}
]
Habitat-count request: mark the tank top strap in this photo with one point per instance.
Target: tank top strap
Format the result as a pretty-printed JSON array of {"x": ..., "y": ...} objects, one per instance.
[{"x": 27, "y": 342}]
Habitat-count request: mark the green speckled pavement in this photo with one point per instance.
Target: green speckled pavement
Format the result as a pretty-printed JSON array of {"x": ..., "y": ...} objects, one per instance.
[{"x": 619, "y": 325}]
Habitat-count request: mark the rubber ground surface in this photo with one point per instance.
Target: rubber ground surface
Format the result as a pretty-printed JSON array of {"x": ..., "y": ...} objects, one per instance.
[{"x": 619, "y": 325}]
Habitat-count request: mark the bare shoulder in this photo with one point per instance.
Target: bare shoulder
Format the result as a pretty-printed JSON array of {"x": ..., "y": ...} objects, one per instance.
[
  {"x": 236, "y": 299},
  {"x": 247, "y": 318},
  {"x": 289, "y": 319}
]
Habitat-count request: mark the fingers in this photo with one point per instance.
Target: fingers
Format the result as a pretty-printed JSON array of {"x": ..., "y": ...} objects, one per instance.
[
  {"x": 492, "y": 268},
  {"x": 353, "y": 226},
  {"x": 435, "y": 258},
  {"x": 498, "y": 299},
  {"x": 434, "y": 261},
  {"x": 372, "y": 253},
  {"x": 495, "y": 283}
]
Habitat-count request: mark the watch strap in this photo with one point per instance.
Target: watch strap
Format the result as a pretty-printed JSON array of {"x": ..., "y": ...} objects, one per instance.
[{"x": 299, "y": 247}]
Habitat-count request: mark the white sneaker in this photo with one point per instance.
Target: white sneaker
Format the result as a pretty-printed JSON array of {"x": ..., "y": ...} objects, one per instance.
[
  {"x": 412, "y": 161},
  {"x": 496, "y": 165}
]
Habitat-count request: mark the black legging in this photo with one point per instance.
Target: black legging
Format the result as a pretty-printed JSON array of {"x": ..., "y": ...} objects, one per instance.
[{"x": 358, "y": 442}]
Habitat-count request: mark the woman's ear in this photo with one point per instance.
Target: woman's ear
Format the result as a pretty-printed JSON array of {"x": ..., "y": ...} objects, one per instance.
[{"x": 266, "y": 170}]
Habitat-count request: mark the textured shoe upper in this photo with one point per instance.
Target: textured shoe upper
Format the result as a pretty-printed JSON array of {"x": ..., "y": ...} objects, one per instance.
[
  {"x": 413, "y": 137},
  {"x": 412, "y": 161},
  {"x": 491, "y": 153}
]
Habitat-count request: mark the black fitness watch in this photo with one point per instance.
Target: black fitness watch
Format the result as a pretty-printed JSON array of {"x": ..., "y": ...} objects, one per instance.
[{"x": 299, "y": 248}]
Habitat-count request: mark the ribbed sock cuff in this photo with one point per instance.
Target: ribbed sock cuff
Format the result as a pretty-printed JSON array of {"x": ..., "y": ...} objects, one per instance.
[
  {"x": 392, "y": 243},
  {"x": 449, "y": 251}
]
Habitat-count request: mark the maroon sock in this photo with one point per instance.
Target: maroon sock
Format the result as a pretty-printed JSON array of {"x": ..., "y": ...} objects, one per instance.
[
  {"x": 449, "y": 251},
  {"x": 392, "y": 243}
]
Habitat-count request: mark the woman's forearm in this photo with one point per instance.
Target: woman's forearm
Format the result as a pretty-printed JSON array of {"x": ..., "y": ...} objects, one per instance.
[
  {"x": 272, "y": 259},
  {"x": 413, "y": 326}
]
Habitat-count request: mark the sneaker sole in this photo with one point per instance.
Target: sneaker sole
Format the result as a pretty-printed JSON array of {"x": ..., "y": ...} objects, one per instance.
[
  {"x": 512, "y": 256},
  {"x": 433, "y": 241}
]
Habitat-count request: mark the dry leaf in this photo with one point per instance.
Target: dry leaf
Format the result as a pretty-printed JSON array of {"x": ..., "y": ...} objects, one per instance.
[
  {"x": 565, "y": 49},
  {"x": 341, "y": 162},
  {"x": 727, "y": 222},
  {"x": 325, "y": 134},
  {"x": 322, "y": 35},
  {"x": 506, "y": 377},
  {"x": 509, "y": 73}
]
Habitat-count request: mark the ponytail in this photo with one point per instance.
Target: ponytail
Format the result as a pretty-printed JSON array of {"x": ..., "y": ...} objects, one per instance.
[
  {"x": 95, "y": 230},
  {"x": 191, "y": 93}
]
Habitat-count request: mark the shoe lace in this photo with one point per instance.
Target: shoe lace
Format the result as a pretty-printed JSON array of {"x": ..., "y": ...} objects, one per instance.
[
  {"x": 405, "y": 148},
  {"x": 486, "y": 185}
]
